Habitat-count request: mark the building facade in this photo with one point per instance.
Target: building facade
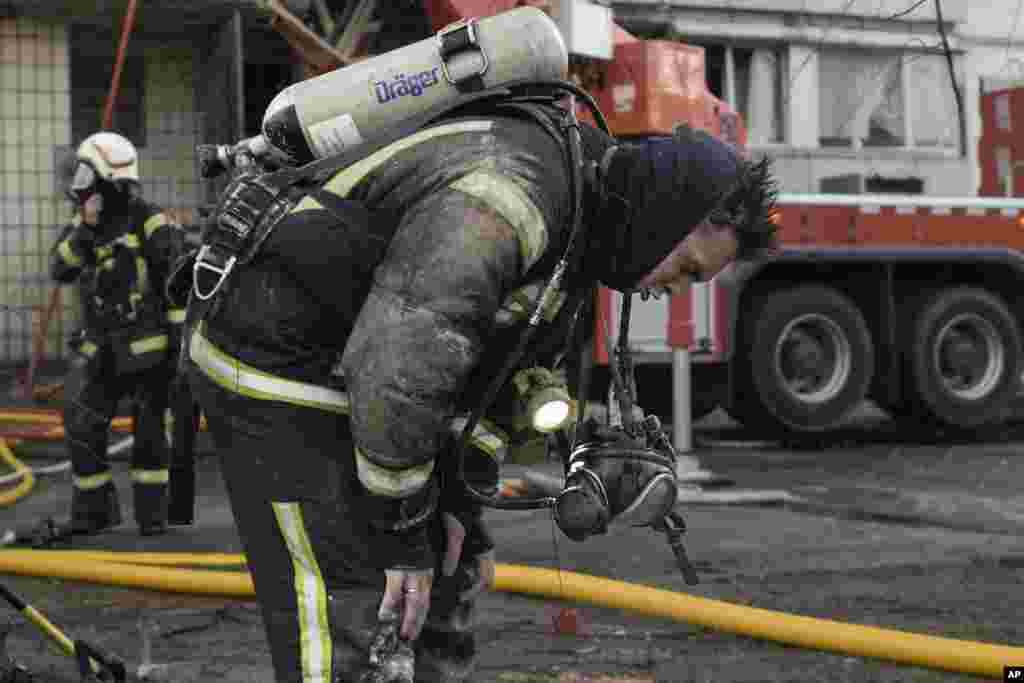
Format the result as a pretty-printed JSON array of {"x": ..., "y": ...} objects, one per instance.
[{"x": 851, "y": 95}]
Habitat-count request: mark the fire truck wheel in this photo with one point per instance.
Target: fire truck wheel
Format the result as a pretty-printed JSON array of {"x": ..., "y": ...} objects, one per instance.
[
  {"x": 964, "y": 360},
  {"x": 807, "y": 362}
]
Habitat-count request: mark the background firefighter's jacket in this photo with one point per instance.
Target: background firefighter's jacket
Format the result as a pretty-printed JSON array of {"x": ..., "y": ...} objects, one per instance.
[{"x": 121, "y": 265}]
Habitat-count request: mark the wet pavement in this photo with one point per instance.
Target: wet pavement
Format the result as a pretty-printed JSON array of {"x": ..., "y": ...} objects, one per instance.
[{"x": 922, "y": 534}]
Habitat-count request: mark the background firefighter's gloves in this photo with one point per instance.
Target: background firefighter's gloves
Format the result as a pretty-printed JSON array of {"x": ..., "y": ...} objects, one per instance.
[
  {"x": 83, "y": 242},
  {"x": 614, "y": 476},
  {"x": 401, "y": 527}
]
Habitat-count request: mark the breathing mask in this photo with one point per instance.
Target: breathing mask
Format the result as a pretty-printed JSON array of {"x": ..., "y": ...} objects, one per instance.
[{"x": 614, "y": 477}]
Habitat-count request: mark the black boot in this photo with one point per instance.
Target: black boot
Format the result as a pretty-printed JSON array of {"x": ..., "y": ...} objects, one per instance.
[
  {"x": 150, "y": 508},
  {"x": 94, "y": 510}
]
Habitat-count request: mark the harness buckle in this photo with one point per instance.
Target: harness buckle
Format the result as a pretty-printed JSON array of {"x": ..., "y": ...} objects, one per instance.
[
  {"x": 220, "y": 270},
  {"x": 459, "y": 37}
]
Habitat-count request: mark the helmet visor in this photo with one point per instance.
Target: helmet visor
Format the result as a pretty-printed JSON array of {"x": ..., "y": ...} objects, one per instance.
[{"x": 84, "y": 179}]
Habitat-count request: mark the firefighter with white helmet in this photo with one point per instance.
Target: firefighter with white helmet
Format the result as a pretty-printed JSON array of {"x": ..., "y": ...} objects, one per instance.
[{"x": 118, "y": 248}]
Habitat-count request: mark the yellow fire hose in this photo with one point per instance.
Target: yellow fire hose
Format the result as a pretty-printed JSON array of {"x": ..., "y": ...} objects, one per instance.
[
  {"x": 53, "y": 417},
  {"x": 28, "y": 480},
  {"x": 947, "y": 654}
]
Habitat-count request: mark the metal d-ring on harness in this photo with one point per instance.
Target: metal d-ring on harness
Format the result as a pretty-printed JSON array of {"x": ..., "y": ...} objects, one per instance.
[{"x": 203, "y": 263}]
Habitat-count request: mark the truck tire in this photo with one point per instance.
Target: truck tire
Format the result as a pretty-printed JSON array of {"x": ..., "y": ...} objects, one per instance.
[
  {"x": 964, "y": 358},
  {"x": 806, "y": 361}
]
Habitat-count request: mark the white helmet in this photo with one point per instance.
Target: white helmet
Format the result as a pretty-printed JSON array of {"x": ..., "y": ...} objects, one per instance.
[{"x": 105, "y": 156}]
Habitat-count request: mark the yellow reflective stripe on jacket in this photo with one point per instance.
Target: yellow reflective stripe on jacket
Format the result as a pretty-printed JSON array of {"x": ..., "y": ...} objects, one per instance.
[
  {"x": 143, "y": 273},
  {"x": 507, "y": 198},
  {"x": 175, "y": 316},
  {"x": 486, "y": 437},
  {"x": 154, "y": 223},
  {"x": 88, "y": 348},
  {"x": 236, "y": 376},
  {"x": 393, "y": 483},
  {"x": 130, "y": 240},
  {"x": 93, "y": 481},
  {"x": 315, "y": 648},
  {"x": 342, "y": 183},
  {"x": 151, "y": 476},
  {"x": 148, "y": 344},
  {"x": 307, "y": 203},
  {"x": 69, "y": 257}
]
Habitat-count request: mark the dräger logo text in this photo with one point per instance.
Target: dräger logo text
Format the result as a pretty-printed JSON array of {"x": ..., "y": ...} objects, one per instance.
[{"x": 402, "y": 85}]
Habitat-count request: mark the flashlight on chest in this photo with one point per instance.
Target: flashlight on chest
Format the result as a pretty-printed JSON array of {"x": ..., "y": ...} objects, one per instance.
[{"x": 543, "y": 399}]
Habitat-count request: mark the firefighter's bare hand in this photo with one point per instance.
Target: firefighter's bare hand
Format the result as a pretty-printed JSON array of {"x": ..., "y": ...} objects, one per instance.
[
  {"x": 407, "y": 598},
  {"x": 455, "y": 536},
  {"x": 91, "y": 209}
]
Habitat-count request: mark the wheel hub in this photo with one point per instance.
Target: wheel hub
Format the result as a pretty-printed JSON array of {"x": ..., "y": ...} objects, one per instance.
[
  {"x": 969, "y": 357},
  {"x": 813, "y": 358}
]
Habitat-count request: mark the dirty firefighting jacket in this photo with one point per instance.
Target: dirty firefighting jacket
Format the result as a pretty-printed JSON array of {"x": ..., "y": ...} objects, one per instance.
[
  {"x": 392, "y": 320},
  {"x": 121, "y": 265}
]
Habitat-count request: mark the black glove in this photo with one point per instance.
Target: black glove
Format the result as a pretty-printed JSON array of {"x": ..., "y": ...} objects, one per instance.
[
  {"x": 401, "y": 527},
  {"x": 83, "y": 243},
  {"x": 482, "y": 474}
]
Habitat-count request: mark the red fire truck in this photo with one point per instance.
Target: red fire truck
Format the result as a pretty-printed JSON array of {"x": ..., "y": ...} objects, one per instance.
[{"x": 909, "y": 301}]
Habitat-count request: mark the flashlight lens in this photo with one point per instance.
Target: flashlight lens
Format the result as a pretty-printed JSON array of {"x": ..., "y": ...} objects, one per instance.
[{"x": 551, "y": 416}]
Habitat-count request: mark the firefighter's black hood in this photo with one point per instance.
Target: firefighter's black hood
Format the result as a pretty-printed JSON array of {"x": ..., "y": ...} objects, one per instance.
[{"x": 657, "y": 192}]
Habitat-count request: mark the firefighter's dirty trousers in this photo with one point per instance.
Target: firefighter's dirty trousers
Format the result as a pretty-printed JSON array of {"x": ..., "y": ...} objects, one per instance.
[
  {"x": 289, "y": 474},
  {"x": 88, "y": 411}
]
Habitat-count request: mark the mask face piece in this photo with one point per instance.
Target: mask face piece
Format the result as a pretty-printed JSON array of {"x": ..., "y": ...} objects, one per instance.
[
  {"x": 83, "y": 184},
  {"x": 614, "y": 479}
]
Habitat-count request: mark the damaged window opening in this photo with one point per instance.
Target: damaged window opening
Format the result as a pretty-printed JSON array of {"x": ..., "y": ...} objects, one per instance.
[
  {"x": 750, "y": 79},
  {"x": 866, "y": 100}
]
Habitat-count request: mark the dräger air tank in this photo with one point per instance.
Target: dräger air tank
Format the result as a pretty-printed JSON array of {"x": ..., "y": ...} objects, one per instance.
[{"x": 325, "y": 115}]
